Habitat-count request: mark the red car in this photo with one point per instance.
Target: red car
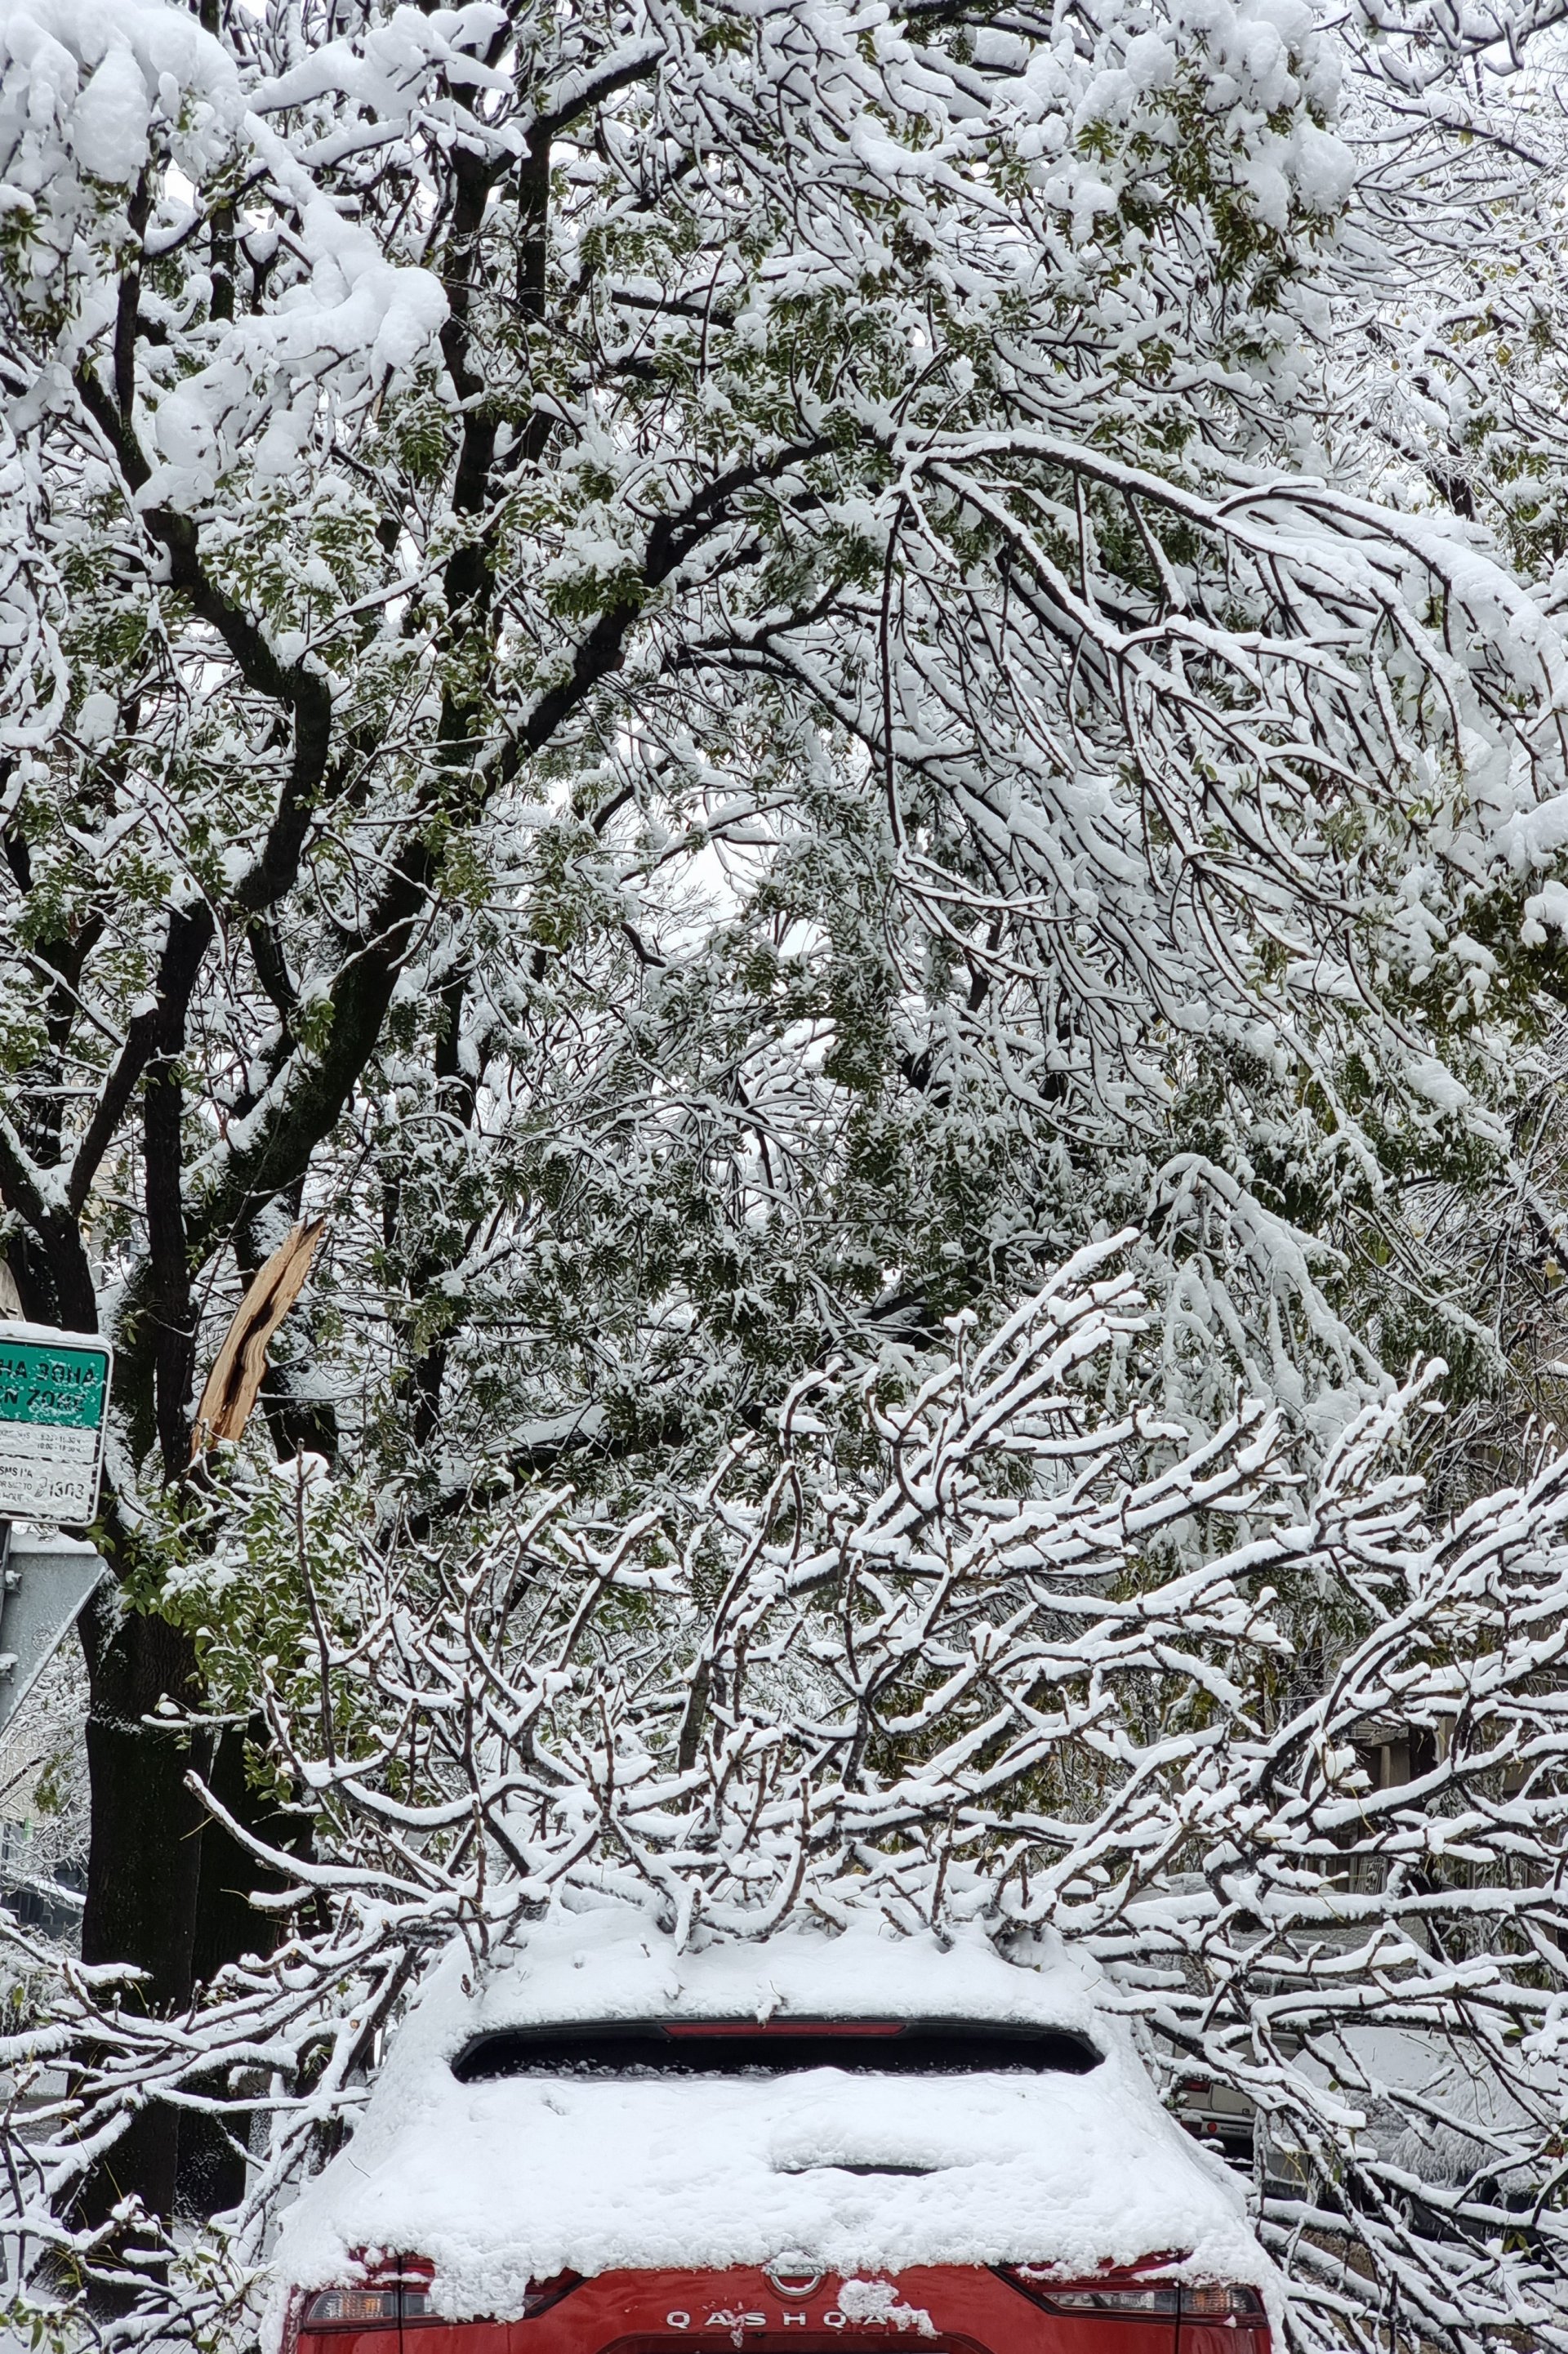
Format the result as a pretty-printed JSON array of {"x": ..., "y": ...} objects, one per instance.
[{"x": 611, "y": 2148}]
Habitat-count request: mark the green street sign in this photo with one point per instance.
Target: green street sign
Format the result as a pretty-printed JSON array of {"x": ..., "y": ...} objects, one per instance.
[{"x": 54, "y": 1401}]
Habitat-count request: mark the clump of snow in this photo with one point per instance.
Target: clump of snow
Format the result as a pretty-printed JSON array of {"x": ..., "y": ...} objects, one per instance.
[
  {"x": 1436, "y": 1082},
  {"x": 82, "y": 82},
  {"x": 1533, "y": 835},
  {"x": 97, "y": 719},
  {"x": 502, "y": 2182},
  {"x": 878, "y": 2301},
  {"x": 1149, "y": 62},
  {"x": 1544, "y": 909},
  {"x": 109, "y": 128}
]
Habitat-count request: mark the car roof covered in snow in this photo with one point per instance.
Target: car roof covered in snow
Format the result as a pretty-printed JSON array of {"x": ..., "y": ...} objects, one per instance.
[{"x": 502, "y": 2181}]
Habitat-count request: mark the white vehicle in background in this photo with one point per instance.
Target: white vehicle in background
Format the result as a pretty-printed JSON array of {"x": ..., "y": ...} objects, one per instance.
[
  {"x": 607, "y": 2146},
  {"x": 1438, "y": 2126}
]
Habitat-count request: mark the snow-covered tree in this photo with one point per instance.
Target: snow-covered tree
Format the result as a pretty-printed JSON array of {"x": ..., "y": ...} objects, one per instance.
[
  {"x": 719, "y": 675},
  {"x": 973, "y": 1651}
]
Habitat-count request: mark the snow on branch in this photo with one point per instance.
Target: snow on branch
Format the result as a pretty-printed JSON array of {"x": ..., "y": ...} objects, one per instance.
[{"x": 969, "y": 1652}]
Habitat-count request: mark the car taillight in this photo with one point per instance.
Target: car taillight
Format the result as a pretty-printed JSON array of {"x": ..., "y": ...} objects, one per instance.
[
  {"x": 1221, "y": 2301},
  {"x": 408, "y": 2302},
  {"x": 352, "y": 2308},
  {"x": 1128, "y": 2297},
  {"x": 1127, "y": 2301},
  {"x": 1134, "y": 2299}
]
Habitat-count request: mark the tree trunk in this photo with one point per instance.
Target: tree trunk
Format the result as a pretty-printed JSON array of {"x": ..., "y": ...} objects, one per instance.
[
  {"x": 144, "y": 1870},
  {"x": 211, "y": 2171}
]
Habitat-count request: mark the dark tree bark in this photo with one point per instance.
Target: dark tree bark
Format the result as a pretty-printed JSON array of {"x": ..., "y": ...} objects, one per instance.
[
  {"x": 145, "y": 1869},
  {"x": 211, "y": 2170}
]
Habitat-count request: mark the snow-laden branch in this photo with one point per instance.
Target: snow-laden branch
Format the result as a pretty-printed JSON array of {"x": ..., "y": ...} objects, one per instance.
[{"x": 976, "y": 1651}]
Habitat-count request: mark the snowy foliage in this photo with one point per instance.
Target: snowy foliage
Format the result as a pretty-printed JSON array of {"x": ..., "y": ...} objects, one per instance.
[
  {"x": 43, "y": 1775},
  {"x": 723, "y": 675},
  {"x": 977, "y": 1660},
  {"x": 732, "y": 656}
]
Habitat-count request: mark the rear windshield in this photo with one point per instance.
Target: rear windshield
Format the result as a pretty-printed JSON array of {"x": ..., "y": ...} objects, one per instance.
[{"x": 742, "y": 2047}]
